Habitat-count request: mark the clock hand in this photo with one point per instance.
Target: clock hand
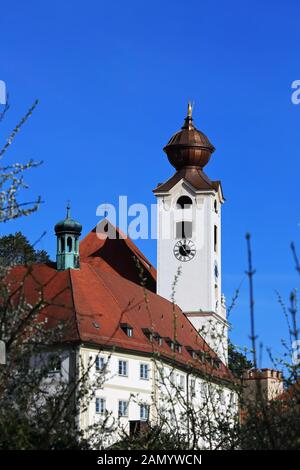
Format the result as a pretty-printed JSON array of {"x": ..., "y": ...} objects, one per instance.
[{"x": 184, "y": 250}]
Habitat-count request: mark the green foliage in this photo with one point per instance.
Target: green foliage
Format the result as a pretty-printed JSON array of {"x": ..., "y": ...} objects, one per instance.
[
  {"x": 237, "y": 361},
  {"x": 16, "y": 249}
]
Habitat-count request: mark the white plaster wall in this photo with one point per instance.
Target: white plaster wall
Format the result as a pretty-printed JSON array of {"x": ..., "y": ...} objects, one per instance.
[
  {"x": 195, "y": 289},
  {"x": 155, "y": 391}
]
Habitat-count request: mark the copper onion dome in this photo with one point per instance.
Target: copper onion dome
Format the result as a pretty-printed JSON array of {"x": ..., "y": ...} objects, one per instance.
[
  {"x": 68, "y": 225},
  {"x": 189, "y": 146}
]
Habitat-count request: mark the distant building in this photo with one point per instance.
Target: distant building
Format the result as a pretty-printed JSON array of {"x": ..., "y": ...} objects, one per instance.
[{"x": 263, "y": 383}]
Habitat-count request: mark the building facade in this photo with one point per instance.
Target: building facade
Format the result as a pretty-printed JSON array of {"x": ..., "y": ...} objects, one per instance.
[{"x": 157, "y": 339}]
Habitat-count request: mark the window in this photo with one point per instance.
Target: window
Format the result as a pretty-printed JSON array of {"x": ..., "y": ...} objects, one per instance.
[
  {"x": 216, "y": 206},
  {"x": 54, "y": 364},
  {"x": 184, "y": 230},
  {"x": 159, "y": 340},
  {"x": 193, "y": 388},
  {"x": 100, "y": 363},
  {"x": 203, "y": 386},
  {"x": 62, "y": 244},
  {"x": 192, "y": 352},
  {"x": 180, "y": 381},
  {"x": 172, "y": 378},
  {"x": 178, "y": 347},
  {"x": 201, "y": 356},
  {"x": 100, "y": 405},
  {"x": 161, "y": 373},
  {"x": 144, "y": 371},
  {"x": 170, "y": 343},
  {"x": 69, "y": 244},
  {"x": 215, "y": 237},
  {"x": 128, "y": 330},
  {"x": 184, "y": 202},
  {"x": 222, "y": 398},
  {"x": 144, "y": 412},
  {"x": 148, "y": 333},
  {"x": 123, "y": 369},
  {"x": 216, "y": 364},
  {"x": 123, "y": 408}
]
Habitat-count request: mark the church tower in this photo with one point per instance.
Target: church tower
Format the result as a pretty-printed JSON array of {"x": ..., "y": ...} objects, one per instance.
[
  {"x": 67, "y": 232},
  {"x": 189, "y": 236}
]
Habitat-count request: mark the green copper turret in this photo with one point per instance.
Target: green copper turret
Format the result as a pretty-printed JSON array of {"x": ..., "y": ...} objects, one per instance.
[{"x": 67, "y": 232}]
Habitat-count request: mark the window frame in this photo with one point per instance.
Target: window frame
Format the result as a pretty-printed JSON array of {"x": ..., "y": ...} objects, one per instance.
[
  {"x": 127, "y": 408},
  {"x": 144, "y": 365},
  {"x": 52, "y": 359},
  {"x": 124, "y": 361},
  {"x": 144, "y": 406},
  {"x": 102, "y": 358},
  {"x": 180, "y": 383},
  {"x": 98, "y": 403}
]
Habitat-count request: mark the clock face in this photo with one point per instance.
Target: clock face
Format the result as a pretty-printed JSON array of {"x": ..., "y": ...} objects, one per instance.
[{"x": 184, "y": 250}]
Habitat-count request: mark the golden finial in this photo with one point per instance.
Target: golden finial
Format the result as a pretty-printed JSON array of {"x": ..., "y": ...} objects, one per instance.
[{"x": 190, "y": 109}]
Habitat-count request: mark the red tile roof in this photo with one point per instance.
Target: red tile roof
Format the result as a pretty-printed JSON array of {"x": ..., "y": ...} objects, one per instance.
[
  {"x": 94, "y": 300},
  {"x": 117, "y": 255}
]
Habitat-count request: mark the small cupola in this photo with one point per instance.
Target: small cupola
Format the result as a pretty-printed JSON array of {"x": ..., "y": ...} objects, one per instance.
[{"x": 67, "y": 232}]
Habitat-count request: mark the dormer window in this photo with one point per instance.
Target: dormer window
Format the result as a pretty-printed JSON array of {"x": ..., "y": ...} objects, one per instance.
[
  {"x": 158, "y": 339},
  {"x": 216, "y": 363},
  {"x": 170, "y": 343},
  {"x": 153, "y": 336},
  {"x": 128, "y": 330},
  {"x": 201, "y": 356},
  {"x": 177, "y": 347},
  {"x": 209, "y": 359},
  {"x": 148, "y": 333},
  {"x": 192, "y": 352}
]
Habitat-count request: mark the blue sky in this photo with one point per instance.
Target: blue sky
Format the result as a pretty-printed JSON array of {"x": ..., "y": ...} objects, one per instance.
[{"x": 113, "y": 79}]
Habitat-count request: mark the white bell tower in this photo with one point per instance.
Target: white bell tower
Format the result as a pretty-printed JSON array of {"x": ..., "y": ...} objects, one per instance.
[{"x": 189, "y": 236}]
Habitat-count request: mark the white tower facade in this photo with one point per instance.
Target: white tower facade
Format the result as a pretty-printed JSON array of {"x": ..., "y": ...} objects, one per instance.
[{"x": 189, "y": 237}]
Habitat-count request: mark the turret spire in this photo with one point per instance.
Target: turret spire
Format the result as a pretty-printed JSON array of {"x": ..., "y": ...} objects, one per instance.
[
  {"x": 68, "y": 210},
  {"x": 67, "y": 232},
  {"x": 190, "y": 109},
  {"x": 188, "y": 122}
]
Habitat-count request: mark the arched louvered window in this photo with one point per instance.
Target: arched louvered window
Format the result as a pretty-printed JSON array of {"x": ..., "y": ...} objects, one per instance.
[
  {"x": 184, "y": 202},
  {"x": 69, "y": 244}
]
